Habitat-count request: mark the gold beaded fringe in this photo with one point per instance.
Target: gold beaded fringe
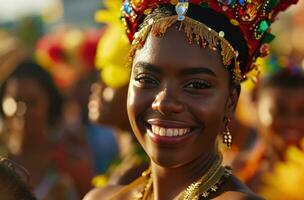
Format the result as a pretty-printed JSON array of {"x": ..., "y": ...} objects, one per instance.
[{"x": 195, "y": 32}]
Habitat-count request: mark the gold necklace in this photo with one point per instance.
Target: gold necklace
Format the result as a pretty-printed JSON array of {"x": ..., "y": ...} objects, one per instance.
[
  {"x": 144, "y": 195},
  {"x": 207, "y": 184}
]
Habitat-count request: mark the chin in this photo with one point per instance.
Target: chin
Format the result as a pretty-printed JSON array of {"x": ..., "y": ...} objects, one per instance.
[
  {"x": 166, "y": 163},
  {"x": 167, "y": 159}
]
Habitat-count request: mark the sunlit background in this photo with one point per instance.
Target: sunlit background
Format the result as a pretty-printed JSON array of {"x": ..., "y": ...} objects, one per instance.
[{"x": 63, "y": 36}]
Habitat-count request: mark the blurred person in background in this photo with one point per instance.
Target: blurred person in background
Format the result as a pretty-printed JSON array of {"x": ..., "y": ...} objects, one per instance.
[
  {"x": 31, "y": 108},
  {"x": 68, "y": 54},
  {"x": 278, "y": 99},
  {"x": 14, "y": 181},
  {"x": 107, "y": 104}
]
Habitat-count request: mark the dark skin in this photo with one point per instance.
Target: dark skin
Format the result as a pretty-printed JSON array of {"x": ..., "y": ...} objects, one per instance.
[{"x": 174, "y": 84}]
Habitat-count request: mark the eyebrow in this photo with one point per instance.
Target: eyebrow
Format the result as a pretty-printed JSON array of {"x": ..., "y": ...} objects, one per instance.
[
  {"x": 149, "y": 67},
  {"x": 197, "y": 70},
  {"x": 188, "y": 71}
]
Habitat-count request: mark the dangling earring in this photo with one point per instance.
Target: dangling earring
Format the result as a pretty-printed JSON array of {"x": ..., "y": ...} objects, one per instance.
[{"x": 227, "y": 137}]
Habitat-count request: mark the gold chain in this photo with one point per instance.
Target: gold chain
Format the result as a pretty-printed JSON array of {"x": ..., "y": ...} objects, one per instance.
[
  {"x": 207, "y": 184},
  {"x": 194, "y": 190}
]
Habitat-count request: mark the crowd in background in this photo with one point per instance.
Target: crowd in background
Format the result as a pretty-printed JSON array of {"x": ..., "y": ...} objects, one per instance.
[{"x": 63, "y": 120}]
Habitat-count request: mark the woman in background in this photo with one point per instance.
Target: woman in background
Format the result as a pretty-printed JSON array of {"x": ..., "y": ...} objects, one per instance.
[
  {"x": 31, "y": 107},
  {"x": 278, "y": 99}
]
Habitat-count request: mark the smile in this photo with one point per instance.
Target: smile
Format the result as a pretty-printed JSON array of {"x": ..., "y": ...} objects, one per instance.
[{"x": 169, "y": 132}]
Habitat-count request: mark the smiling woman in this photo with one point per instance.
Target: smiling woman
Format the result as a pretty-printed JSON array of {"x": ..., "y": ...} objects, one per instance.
[
  {"x": 178, "y": 96},
  {"x": 188, "y": 58}
]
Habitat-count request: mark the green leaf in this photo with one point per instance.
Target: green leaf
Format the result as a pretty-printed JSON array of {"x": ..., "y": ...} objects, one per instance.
[{"x": 268, "y": 37}]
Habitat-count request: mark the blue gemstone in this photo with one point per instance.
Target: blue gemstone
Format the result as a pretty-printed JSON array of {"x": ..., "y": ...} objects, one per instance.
[
  {"x": 127, "y": 7},
  {"x": 242, "y": 2},
  {"x": 226, "y": 2}
]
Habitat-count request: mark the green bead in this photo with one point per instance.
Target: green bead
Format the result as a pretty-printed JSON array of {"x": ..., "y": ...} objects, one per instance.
[
  {"x": 263, "y": 26},
  {"x": 204, "y": 5}
]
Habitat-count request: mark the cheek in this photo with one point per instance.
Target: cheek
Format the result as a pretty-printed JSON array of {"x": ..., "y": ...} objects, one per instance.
[
  {"x": 209, "y": 110},
  {"x": 138, "y": 103},
  {"x": 40, "y": 111}
]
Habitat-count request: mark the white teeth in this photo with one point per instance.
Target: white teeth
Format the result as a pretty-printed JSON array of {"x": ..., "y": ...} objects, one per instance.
[
  {"x": 181, "y": 132},
  {"x": 175, "y": 132},
  {"x": 156, "y": 130},
  {"x": 162, "y": 132},
  {"x": 169, "y": 132}
]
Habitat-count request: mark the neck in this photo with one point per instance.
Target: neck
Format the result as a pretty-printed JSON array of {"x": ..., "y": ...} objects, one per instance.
[{"x": 170, "y": 182}]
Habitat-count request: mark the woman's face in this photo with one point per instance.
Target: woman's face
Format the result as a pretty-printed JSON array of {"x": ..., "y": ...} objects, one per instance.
[
  {"x": 281, "y": 115},
  {"x": 178, "y": 98},
  {"x": 32, "y": 95}
]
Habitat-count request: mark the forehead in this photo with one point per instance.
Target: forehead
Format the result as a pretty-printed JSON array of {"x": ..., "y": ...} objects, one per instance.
[
  {"x": 174, "y": 50},
  {"x": 27, "y": 86}
]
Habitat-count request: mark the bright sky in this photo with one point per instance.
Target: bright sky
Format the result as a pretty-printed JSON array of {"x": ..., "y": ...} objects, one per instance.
[{"x": 10, "y": 9}]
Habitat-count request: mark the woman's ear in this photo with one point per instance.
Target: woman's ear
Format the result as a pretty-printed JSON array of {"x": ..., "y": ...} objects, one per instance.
[{"x": 234, "y": 94}]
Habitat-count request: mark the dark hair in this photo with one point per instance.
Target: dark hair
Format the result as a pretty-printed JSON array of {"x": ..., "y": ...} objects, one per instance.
[
  {"x": 30, "y": 69},
  {"x": 11, "y": 185},
  {"x": 285, "y": 77}
]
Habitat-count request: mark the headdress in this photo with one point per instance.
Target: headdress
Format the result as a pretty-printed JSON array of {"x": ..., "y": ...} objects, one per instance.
[{"x": 240, "y": 29}]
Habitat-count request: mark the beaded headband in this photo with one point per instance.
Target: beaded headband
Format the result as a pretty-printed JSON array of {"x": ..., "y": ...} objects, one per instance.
[
  {"x": 195, "y": 32},
  {"x": 252, "y": 18}
]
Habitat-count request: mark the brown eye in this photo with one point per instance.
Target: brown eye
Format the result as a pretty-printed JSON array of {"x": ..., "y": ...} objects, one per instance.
[
  {"x": 197, "y": 84},
  {"x": 146, "y": 80}
]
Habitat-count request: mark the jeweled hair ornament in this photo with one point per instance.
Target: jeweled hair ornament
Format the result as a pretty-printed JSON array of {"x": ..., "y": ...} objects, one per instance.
[
  {"x": 181, "y": 9},
  {"x": 241, "y": 32}
]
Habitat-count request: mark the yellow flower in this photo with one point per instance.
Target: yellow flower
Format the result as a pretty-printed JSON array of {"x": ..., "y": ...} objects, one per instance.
[
  {"x": 113, "y": 48},
  {"x": 99, "y": 181},
  {"x": 286, "y": 181},
  {"x": 115, "y": 76},
  {"x": 112, "y": 13}
]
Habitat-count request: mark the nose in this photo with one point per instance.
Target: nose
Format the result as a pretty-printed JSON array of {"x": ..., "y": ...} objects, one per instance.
[{"x": 167, "y": 102}]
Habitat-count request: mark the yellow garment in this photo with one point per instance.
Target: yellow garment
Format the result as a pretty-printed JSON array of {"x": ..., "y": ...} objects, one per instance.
[{"x": 286, "y": 181}]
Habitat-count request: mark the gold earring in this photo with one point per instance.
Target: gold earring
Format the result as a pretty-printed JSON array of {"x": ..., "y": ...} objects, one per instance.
[{"x": 227, "y": 137}]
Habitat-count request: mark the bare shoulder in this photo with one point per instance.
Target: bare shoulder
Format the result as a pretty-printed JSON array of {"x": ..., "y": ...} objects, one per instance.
[
  {"x": 235, "y": 189},
  {"x": 103, "y": 193}
]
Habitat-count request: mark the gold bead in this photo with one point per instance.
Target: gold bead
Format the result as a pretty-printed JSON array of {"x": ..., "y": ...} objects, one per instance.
[
  {"x": 234, "y": 22},
  {"x": 148, "y": 11},
  {"x": 174, "y": 2},
  {"x": 136, "y": 2}
]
